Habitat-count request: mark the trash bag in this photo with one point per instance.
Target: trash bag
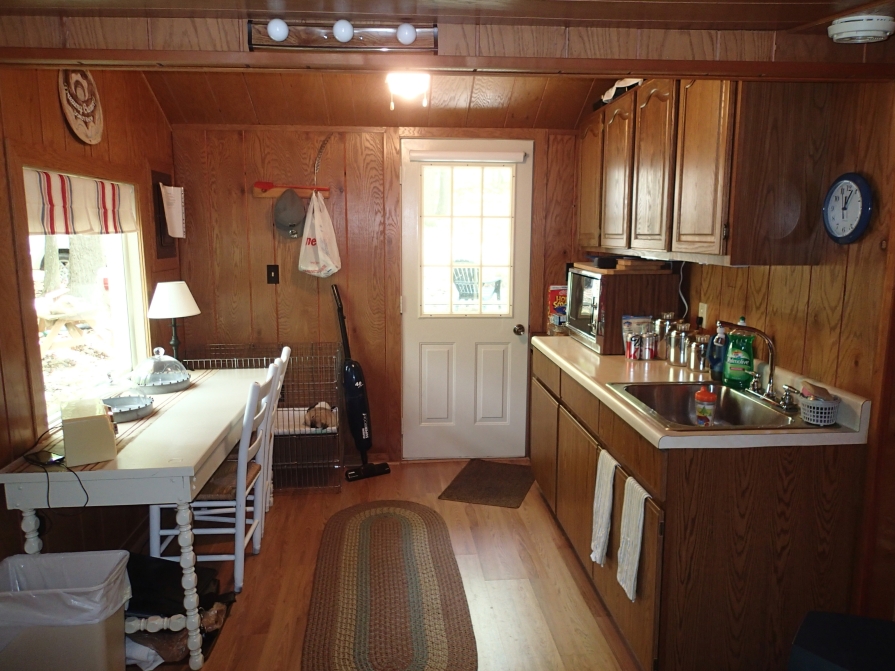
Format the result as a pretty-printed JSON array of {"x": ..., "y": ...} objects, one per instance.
[
  {"x": 64, "y": 589},
  {"x": 319, "y": 251}
]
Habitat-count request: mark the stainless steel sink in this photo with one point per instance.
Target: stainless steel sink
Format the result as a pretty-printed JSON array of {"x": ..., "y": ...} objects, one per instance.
[{"x": 672, "y": 404}]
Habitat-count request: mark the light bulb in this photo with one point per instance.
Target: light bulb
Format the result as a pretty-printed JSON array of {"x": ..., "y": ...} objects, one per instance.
[
  {"x": 277, "y": 30},
  {"x": 406, "y": 34},
  {"x": 343, "y": 30},
  {"x": 408, "y": 85}
]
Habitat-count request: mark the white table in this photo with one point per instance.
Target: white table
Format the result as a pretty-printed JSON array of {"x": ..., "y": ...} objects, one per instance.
[{"x": 166, "y": 457}]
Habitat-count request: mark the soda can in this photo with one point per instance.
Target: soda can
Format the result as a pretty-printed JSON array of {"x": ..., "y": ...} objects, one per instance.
[
  {"x": 633, "y": 342},
  {"x": 649, "y": 346}
]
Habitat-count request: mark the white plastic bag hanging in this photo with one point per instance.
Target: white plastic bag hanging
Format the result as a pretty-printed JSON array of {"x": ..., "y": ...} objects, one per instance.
[{"x": 319, "y": 251}]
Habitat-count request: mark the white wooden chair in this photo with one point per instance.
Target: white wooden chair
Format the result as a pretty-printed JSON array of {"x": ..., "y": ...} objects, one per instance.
[
  {"x": 225, "y": 502},
  {"x": 284, "y": 366}
]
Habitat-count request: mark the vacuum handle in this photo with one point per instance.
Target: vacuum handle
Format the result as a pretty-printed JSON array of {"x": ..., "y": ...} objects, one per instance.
[{"x": 338, "y": 300}]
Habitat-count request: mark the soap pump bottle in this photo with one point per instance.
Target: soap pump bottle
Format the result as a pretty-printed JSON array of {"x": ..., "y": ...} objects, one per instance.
[{"x": 718, "y": 353}]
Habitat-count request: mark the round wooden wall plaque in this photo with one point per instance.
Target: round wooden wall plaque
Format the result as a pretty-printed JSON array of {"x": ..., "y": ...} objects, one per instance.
[{"x": 80, "y": 102}]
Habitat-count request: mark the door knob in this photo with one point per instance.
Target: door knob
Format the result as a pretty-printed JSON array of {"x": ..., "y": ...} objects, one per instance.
[{"x": 518, "y": 329}]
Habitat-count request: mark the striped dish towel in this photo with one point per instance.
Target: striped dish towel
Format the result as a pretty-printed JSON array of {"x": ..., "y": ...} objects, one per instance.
[
  {"x": 631, "y": 536},
  {"x": 602, "y": 507}
]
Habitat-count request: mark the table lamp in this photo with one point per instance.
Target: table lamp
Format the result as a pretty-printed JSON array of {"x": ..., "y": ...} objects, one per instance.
[{"x": 170, "y": 301}]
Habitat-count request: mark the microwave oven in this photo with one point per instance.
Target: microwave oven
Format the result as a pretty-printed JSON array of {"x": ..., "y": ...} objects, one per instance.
[{"x": 597, "y": 300}]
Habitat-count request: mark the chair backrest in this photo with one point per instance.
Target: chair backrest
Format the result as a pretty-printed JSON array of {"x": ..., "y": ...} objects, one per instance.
[
  {"x": 284, "y": 364},
  {"x": 257, "y": 418}
]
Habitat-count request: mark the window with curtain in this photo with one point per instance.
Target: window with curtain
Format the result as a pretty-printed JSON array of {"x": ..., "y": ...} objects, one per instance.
[{"x": 87, "y": 276}]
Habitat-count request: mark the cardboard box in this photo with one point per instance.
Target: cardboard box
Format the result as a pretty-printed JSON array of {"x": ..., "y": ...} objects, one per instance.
[{"x": 87, "y": 433}]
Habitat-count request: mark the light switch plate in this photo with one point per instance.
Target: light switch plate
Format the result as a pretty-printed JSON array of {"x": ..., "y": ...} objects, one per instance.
[{"x": 703, "y": 312}]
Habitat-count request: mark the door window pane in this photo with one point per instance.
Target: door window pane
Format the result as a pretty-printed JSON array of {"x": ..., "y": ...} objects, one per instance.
[
  {"x": 436, "y": 242},
  {"x": 496, "y": 242},
  {"x": 467, "y": 191},
  {"x": 467, "y": 243},
  {"x": 495, "y": 285},
  {"x": 498, "y": 191},
  {"x": 466, "y": 239},
  {"x": 436, "y": 191},
  {"x": 437, "y": 290}
]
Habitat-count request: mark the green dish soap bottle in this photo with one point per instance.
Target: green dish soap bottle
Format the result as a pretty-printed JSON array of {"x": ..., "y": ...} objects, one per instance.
[{"x": 740, "y": 359}]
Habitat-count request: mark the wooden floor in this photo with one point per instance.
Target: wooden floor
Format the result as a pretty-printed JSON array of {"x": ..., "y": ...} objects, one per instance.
[{"x": 531, "y": 603}]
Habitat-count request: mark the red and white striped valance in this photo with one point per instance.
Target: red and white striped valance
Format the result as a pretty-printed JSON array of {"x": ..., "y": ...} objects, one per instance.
[{"x": 66, "y": 204}]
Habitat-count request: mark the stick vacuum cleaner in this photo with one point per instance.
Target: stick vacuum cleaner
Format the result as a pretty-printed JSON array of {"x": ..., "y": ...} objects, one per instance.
[{"x": 357, "y": 405}]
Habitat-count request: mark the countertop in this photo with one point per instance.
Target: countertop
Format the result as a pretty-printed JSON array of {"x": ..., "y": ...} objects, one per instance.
[{"x": 594, "y": 372}]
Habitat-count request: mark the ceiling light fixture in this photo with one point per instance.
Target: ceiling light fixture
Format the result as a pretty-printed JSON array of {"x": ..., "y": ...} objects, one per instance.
[
  {"x": 408, "y": 85},
  {"x": 343, "y": 30},
  {"x": 406, "y": 34},
  {"x": 861, "y": 29},
  {"x": 277, "y": 30}
]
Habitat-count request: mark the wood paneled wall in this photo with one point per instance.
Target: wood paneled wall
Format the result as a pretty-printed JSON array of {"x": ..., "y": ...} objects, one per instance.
[
  {"x": 137, "y": 135},
  {"x": 231, "y": 240},
  {"x": 831, "y": 321},
  {"x": 139, "y": 33},
  {"x": 455, "y": 39},
  {"x": 632, "y": 43}
]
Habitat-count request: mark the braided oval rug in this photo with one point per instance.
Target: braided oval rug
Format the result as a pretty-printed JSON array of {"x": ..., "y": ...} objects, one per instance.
[{"x": 387, "y": 594}]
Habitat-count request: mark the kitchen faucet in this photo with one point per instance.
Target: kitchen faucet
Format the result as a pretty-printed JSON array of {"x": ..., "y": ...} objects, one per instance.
[{"x": 786, "y": 403}]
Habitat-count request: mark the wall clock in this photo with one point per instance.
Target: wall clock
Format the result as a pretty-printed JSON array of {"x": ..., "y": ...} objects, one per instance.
[
  {"x": 80, "y": 103},
  {"x": 847, "y": 208}
]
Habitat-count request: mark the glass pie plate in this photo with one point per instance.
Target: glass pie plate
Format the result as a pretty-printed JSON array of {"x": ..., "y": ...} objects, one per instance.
[{"x": 160, "y": 374}]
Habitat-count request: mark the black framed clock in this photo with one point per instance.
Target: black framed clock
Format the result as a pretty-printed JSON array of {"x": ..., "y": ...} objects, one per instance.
[{"x": 847, "y": 208}]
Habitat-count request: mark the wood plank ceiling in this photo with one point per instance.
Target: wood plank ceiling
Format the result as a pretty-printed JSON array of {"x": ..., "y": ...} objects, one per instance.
[
  {"x": 345, "y": 99},
  {"x": 691, "y": 14}
]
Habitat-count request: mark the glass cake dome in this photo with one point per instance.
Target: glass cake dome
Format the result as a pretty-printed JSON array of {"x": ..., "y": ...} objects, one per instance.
[{"x": 160, "y": 374}]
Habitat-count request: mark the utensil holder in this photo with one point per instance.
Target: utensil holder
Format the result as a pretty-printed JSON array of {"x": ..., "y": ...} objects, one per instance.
[{"x": 819, "y": 412}]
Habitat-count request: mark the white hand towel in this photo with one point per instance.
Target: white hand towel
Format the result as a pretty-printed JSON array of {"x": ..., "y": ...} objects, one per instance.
[
  {"x": 631, "y": 536},
  {"x": 602, "y": 507}
]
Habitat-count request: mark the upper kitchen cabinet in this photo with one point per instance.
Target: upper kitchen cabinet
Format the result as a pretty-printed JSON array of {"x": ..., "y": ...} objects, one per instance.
[
  {"x": 719, "y": 172},
  {"x": 784, "y": 145},
  {"x": 590, "y": 190},
  {"x": 618, "y": 159},
  {"x": 654, "y": 145},
  {"x": 702, "y": 178}
]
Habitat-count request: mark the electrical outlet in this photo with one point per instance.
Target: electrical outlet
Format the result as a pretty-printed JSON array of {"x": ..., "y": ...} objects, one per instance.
[{"x": 703, "y": 313}]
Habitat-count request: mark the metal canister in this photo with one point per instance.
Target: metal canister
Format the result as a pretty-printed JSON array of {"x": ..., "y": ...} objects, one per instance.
[
  {"x": 649, "y": 346},
  {"x": 662, "y": 326},
  {"x": 699, "y": 354},
  {"x": 677, "y": 341}
]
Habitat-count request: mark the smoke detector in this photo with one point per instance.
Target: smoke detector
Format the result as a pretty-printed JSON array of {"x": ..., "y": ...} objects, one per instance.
[{"x": 861, "y": 29}]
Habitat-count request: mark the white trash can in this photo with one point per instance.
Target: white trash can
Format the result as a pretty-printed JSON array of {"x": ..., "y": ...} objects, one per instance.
[{"x": 63, "y": 611}]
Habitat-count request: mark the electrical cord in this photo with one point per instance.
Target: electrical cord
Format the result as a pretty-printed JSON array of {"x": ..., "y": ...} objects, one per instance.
[
  {"x": 681, "y": 293},
  {"x": 34, "y": 460}
]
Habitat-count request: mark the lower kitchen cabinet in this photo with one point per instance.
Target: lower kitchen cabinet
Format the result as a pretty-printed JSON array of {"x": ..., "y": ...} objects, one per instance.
[
  {"x": 738, "y": 544},
  {"x": 542, "y": 437},
  {"x": 576, "y": 472},
  {"x": 638, "y": 620}
]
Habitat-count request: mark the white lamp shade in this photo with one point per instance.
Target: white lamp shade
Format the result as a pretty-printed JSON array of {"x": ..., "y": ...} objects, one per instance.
[{"x": 172, "y": 300}]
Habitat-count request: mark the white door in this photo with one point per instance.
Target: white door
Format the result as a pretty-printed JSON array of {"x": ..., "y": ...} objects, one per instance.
[{"x": 466, "y": 248}]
